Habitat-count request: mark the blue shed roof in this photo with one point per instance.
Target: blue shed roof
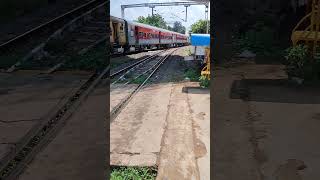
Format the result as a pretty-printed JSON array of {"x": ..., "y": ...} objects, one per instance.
[{"x": 200, "y": 39}]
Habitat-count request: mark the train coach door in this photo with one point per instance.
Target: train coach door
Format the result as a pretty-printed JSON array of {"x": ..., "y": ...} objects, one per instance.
[
  {"x": 115, "y": 33},
  {"x": 136, "y": 30}
]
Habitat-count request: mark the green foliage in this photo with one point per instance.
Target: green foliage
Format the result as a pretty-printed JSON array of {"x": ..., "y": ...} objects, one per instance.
[
  {"x": 155, "y": 20},
  {"x": 158, "y": 21},
  {"x": 130, "y": 173},
  {"x": 192, "y": 74},
  {"x": 177, "y": 27},
  {"x": 300, "y": 64},
  {"x": 200, "y": 27},
  {"x": 260, "y": 40},
  {"x": 204, "y": 81},
  {"x": 95, "y": 59}
]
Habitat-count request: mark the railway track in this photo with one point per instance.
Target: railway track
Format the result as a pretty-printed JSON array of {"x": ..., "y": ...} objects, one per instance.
[
  {"x": 50, "y": 25},
  {"x": 144, "y": 68},
  {"x": 73, "y": 37},
  {"x": 43, "y": 132}
]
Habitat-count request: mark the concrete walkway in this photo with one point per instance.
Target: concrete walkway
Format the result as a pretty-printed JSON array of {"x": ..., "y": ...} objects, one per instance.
[{"x": 264, "y": 130}]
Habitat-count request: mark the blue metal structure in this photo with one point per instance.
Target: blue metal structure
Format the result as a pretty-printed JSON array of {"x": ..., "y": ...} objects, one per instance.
[{"x": 200, "y": 40}]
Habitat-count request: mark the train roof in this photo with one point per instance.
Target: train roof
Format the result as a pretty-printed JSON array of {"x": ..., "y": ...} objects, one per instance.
[
  {"x": 153, "y": 27},
  {"x": 117, "y": 19},
  {"x": 145, "y": 25}
]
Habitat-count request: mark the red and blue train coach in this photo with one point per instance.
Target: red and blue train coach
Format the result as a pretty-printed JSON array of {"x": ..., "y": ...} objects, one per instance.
[{"x": 141, "y": 36}]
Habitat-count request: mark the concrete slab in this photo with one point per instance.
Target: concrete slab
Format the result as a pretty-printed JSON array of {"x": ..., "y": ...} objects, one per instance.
[
  {"x": 5, "y": 148},
  {"x": 26, "y": 99},
  {"x": 232, "y": 150},
  {"x": 137, "y": 132},
  {"x": 119, "y": 92},
  {"x": 278, "y": 126},
  {"x": 79, "y": 150},
  {"x": 177, "y": 157},
  {"x": 199, "y": 101}
]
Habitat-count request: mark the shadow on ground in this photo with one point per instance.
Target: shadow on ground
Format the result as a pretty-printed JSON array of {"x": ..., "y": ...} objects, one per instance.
[
  {"x": 195, "y": 90},
  {"x": 274, "y": 90}
]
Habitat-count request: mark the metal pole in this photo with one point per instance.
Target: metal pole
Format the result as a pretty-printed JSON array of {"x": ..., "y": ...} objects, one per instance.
[
  {"x": 186, "y": 13},
  {"x": 152, "y": 11},
  {"x": 207, "y": 18},
  {"x": 122, "y": 12}
]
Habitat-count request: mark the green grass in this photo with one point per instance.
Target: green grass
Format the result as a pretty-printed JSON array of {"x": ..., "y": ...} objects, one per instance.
[
  {"x": 133, "y": 173},
  {"x": 192, "y": 74}
]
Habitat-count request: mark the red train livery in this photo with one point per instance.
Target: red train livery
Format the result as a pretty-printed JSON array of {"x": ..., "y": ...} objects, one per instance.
[{"x": 141, "y": 36}]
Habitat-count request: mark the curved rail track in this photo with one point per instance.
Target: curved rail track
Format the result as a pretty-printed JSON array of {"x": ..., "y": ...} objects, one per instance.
[
  {"x": 150, "y": 65},
  {"x": 43, "y": 132},
  {"x": 58, "y": 21},
  {"x": 79, "y": 31}
]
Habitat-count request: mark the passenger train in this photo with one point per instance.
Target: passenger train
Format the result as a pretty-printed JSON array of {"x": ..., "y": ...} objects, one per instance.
[{"x": 127, "y": 36}]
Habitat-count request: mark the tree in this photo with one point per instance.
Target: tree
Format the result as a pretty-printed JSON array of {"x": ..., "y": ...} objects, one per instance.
[
  {"x": 155, "y": 20},
  {"x": 177, "y": 27},
  {"x": 200, "y": 27}
]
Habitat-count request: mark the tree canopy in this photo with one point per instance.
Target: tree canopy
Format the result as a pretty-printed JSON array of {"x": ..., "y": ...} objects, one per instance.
[
  {"x": 177, "y": 27},
  {"x": 158, "y": 21},
  {"x": 200, "y": 27},
  {"x": 155, "y": 20}
]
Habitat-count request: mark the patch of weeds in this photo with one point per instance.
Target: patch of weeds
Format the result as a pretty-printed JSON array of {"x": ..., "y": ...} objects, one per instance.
[
  {"x": 176, "y": 77},
  {"x": 55, "y": 46},
  {"x": 261, "y": 38},
  {"x": 188, "y": 52},
  {"x": 96, "y": 59},
  {"x": 192, "y": 74},
  {"x": 133, "y": 173},
  {"x": 204, "y": 81},
  {"x": 8, "y": 60},
  {"x": 300, "y": 63},
  {"x": 118, "y": 62},
  {"x": 139, "y": 80}
]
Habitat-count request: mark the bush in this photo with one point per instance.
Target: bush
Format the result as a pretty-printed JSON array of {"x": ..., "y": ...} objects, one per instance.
[
  {"x": 204, "y": 81},
  {"x": 296, "y": 61},
  {"x": 192, "y": 74}
]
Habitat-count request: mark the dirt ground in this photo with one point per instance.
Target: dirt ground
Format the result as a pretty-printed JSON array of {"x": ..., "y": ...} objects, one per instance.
[
  {"x": 264, "y": 128},
  {"x": 166, "y": 125}
]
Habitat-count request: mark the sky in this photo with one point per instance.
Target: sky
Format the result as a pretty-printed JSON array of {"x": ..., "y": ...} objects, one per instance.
[{"x": 169, "y": 13}]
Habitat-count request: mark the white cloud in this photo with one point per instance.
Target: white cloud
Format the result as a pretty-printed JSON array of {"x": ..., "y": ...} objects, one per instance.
[{"x": 170, "y": 14}]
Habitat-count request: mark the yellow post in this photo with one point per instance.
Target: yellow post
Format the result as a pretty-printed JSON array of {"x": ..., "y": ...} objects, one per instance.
[{"x": 206, "y": 70}]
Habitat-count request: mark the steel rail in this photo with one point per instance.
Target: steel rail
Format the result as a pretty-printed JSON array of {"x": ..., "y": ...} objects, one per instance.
[
  {"x": 116, "y": 110},
  {"x": 54, "y": 21},
  {"x": 135, "y": 64},
  {"x": 41, "y": 134}
]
